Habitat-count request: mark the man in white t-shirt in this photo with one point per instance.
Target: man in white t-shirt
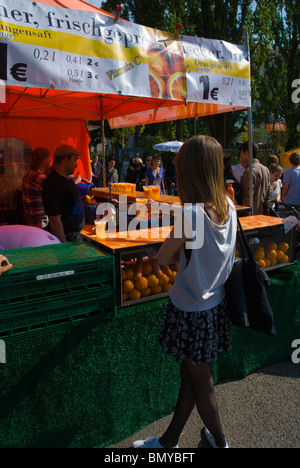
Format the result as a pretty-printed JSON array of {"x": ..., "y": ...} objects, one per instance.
[{"x": 238, "y": 169}]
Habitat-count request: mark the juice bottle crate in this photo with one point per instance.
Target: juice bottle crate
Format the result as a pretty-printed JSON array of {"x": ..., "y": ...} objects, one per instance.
[{"x": 271, "y": 247}]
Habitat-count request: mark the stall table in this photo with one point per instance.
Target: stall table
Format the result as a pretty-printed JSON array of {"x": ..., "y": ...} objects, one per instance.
[
  {"x": 261, "y": 231},
  {"x": 103, "y": 194},
  {"x": 126, "y": 246}
]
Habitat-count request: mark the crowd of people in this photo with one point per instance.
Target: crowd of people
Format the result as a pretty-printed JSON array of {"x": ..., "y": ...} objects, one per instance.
[
  {"x": 138, "y": 172},
  {"x": 52, "y": 200},
  {"x": 270, "y": 185}
]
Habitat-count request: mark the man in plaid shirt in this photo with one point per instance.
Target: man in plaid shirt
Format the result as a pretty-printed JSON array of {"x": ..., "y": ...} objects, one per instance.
[{"x": 33, "y": 181}]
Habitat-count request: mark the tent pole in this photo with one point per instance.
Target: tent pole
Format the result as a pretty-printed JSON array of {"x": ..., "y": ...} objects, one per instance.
[
  {"x": 103, "y": 153},
  {"x": 250, "y": 149},
  {"x": 102, "y": 141},
  {"x": 250, "y": 135}
]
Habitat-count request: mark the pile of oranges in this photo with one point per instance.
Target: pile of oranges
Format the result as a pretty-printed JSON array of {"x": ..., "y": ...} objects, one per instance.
[
  {"x": 145, "y": 278},
  {"x": 272, "y": 254}
]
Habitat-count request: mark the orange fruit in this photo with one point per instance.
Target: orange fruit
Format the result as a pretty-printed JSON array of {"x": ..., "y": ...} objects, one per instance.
[
  {"x": 124, "y": 276},
  {"x": 164, "y": 279},
  {"x": 284, "y": 246},
  {"x": 147, "y": 268},
  {"x": 129, "y": 273},
  {"x": 127, "y": 286},
  {"x": 272, "y": 246},
  {"x": 177, "y": 86},
  {"x": 261, "y": 263},
  {"x": 273, "y": 261},
  {"x": 271, "y": 254},
  {"x": 283, "y": 259},
  {"x": 153, "y": 281},
  {"x": 146, "y": 292},
  {"x": 156, "y": 289},
  {"x": 158, "y": 61},
  {"x": 157, "y": 85},
  {"x": 280, "y": 254},
  {"x": 141, "y": 284},
  {"x": 134, "y": 294},
  {"x": 166, "y": 287},
  {"x": 267, "y": 261},
  {"x": 259, "y": 254},
  {"x": 125, "y": 296}
]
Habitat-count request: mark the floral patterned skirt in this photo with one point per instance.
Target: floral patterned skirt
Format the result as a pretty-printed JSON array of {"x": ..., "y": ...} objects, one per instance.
[{"x": 200, "y": 336}]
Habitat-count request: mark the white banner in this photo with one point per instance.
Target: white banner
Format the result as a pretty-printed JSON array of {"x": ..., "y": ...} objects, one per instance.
[{"x": 51, "y": 47}]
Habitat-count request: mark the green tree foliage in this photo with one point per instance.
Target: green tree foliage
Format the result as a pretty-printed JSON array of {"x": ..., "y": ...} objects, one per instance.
[
  {"x": 281, "y": 69},
  {"x": 273, "y": 31}
]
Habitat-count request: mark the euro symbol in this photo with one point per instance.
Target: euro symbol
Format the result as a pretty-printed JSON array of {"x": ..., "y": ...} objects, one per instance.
[
  {"x": 18, "y": 71},
  {"x": 214, "y": 94}
]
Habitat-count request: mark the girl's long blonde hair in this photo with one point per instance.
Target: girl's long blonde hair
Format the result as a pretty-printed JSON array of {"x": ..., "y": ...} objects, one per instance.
[{"x": 200, "y": 173}]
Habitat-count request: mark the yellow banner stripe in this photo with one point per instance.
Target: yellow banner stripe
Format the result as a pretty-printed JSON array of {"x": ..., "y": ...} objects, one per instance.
[
  {"x": 207, "y": 67},
  {"x": 73, "y": 44}
]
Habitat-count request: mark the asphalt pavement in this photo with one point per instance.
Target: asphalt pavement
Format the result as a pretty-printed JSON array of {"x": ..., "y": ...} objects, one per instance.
[{"x": 261, "y": 410}]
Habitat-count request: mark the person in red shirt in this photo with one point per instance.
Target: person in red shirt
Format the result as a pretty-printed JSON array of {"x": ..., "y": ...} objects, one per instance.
[{"x": 33, "y": 181}]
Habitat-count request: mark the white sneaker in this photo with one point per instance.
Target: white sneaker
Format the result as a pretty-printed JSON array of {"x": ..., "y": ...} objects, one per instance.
[
  {"x": 151, "y": 442},
  {"x": 210, "y": 438}
]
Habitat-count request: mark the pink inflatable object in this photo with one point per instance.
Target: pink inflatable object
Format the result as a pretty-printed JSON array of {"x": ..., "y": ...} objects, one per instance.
[{"x": 20, "y": 237}]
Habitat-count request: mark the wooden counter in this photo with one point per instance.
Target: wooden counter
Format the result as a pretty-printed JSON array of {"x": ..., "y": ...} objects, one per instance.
[
  {"x": 259, "y": 221},
  {"x": 103, "y": 193},
  {"x": 128, "y": 239},
  {"x": 143, "y": 237}
]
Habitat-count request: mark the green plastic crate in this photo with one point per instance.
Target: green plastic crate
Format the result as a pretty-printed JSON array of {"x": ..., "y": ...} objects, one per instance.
[
  {"x": 42, "y": 272},
  {"x": 57, "y": 284},
  {"x": 58, "y": 314}
]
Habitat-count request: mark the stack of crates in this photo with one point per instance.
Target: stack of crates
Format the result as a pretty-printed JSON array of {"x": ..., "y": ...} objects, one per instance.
[{"x": 55, "y": 286}]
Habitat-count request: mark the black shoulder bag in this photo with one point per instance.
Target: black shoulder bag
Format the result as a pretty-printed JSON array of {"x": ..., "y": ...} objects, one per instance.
[{"x": 247, "y": 292}]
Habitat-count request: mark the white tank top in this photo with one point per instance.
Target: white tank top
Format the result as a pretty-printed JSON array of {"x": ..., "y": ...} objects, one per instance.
[{"x": 199, "y": 284}]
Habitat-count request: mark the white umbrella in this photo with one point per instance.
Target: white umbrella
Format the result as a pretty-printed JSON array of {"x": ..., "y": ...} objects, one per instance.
[{"x": 172, "y": 146}]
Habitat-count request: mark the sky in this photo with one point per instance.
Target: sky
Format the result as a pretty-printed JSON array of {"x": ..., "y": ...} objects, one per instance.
[{"x": 96, "y": 3}]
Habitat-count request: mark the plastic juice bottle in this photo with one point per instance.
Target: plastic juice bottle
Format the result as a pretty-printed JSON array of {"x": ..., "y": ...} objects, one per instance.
[
  {"x": 132, "y": 188},
  {"x": 156, "y": 192},
  {"x": 100, "y": 229},
  {"x": 230, "y": 191},
  {"x": 147, "y": 191}
]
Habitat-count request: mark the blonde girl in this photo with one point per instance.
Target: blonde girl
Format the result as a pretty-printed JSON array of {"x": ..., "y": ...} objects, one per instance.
[{"x": 195, "y": 326}]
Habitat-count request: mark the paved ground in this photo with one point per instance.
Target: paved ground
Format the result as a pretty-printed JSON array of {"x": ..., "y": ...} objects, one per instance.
[{"x": 259, "y": 411}]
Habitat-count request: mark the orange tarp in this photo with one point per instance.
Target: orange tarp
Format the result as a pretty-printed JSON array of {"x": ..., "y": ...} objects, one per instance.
[
  {"x": 284, "y": 158},
  {"x": 74, "y": 5},
  {"x": 50, "y": 134},
  {"x": 173, "y": 112}
]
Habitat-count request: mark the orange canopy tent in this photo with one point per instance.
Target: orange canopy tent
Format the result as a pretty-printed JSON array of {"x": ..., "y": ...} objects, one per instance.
[{"x": 49, "y": 116}]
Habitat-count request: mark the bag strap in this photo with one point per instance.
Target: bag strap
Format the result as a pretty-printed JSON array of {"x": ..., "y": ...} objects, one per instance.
[{"x": 245, "y": 247}]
